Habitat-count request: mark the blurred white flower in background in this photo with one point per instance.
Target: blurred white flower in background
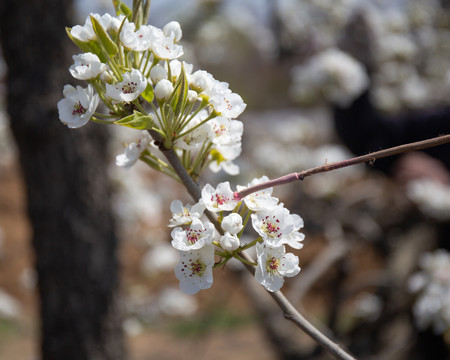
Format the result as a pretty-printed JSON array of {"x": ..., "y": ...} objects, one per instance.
[
  {"x": 432, "y": 284},
  {"x": 9, "y": 306},
  {"x": 432, "y": 197},
  {"x": 331, "y": 75}
]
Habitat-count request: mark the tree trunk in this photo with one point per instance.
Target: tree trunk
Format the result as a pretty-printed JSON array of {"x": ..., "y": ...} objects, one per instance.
[{"x": 67, "y": 188}]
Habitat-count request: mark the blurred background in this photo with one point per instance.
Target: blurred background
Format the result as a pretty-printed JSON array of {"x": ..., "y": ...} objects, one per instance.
[{"x": 85, "y": 255}]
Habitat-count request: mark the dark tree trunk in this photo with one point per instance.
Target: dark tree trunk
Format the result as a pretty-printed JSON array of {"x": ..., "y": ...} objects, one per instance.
[{"x": 67, "y": 188}]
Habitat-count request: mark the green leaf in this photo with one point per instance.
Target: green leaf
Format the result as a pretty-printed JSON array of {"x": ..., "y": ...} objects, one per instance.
[
  {"x": 106, "y": 42},
  {"x": 148, "y": 93},
  {"x": 136, "y": 121},
  {"x": 122, "y": 9}
]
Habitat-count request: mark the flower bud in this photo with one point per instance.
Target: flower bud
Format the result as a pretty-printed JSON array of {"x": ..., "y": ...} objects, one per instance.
[
  {"x": 229, "y": 242},
  {"x": 163, "y": 89},
  {"x": 158, "y": 73},
  {"x": 192, "y": 96},
  {"x": 232, "y": 223},
  {"x": 174, "y": 28}
]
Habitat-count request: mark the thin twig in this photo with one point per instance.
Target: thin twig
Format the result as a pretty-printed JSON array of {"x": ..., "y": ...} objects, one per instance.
[
  {"x": 289, "y": 311},
  {"x": 286, "y": 179}
]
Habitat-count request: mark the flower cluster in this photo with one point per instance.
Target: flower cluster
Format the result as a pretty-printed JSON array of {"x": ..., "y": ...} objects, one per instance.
[
  {"x": 432, "y": 308},
  {"x": 198, "y": 242},
  {"x": 134, "y": 69}
]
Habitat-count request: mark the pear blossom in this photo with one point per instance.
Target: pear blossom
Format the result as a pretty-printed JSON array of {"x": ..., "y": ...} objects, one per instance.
[
  {"x": 158, "y": 73},
  {"x": 83, "y": 33},
  {"x": 196, "y": 235},
  {"x": 200, "y": 80},
  {"x": 133, "y": 151},
  {"x": 261, "y": 200},
  {"x": 192, "y": 96},
  {"x": 224, "y": 131},
  {"x": 163, "y": 90},
  {"x": 78, "y": 105},
  {"x": 228, "y": 166},
  {"x": 86, "y": 32},
  {"x": 133, "y": 84},
  {"x": 278, "y": 227},
  {"x": 194, "y": 270},
  {"x": 86, "y": 66},
  {"x": 183, "y": 214},
  {"x": 139, "y": 40},
  {"x": 229, "y": 105},
  {"x": 219, "y": 199},
  {"x": 175, "y": 69},
  {"x": 232, "y": 223},
  {"x": 174, "y": 28},
  {"x": 164, "y": 47},
  {"x": 223, "y": 156},
  {"x": 274, "y": 264},
  {"x": 229, "y": 242}
]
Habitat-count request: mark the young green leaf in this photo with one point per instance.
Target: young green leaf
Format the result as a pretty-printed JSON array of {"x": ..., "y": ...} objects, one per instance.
[
  {"x": 148, "y": 94},
  {"x": 136, "y": 121},
  {"x": 122, "y": 9},
  {"x": 105, "y": 41}
]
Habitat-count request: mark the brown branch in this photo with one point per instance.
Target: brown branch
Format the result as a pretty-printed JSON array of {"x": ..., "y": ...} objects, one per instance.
[{"x": 419, "y": 145}]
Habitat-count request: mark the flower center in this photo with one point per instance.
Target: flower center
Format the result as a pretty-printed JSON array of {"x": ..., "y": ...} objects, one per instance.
[
  {"x": 194, "y": 268},
  {"x": 220, "y": 199},
  {"x": 219, "y": 130},
  {"x": 272, "y": 265},
  {"x": 193, "y": 236},
  {"x": 78, "y": 109},
  {"x": 129, "y": 88},
  {"x": 271, "y": 228}
]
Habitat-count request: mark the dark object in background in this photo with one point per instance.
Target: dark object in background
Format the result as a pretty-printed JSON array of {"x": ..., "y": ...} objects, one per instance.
[{"x": 74, "y": 240}]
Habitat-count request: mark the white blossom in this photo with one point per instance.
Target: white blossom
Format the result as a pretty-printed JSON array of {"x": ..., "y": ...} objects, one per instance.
[
  {"x": 164, "y": 47},
  {"x": 261, "y": 200},
  {"x": 77, "y": 106},
  {"x": 194, "y": 270},
  {"x": 139, "y": 40},
  {"x": 232, "y": 223},
  {"x": 273, "y": 265},
  {"x": 133, "y": 151},
  {"x": 132, "y": 85},
  {"x": 86, "y": 66},
  {"x": 174, "y": 28},
  {"x": 158, "y": 73},
  {"x": 229, "y": 105},
  {"x": 163, "y": 90},
  {"x": 196, "y": 235},
  {"x": 278, "y": 226},
  {"x": 229, "y": 242},
  {"x": 183, "y": 214},
  {"x": 219, "y": 199}
]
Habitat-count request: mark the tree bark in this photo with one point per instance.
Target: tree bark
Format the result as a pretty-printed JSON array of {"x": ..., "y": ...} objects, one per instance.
[{"x": 67, "y": 188}]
